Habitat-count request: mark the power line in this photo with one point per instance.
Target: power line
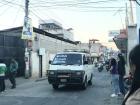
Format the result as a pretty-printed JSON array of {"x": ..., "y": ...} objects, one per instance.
[
  {"x": 37, "y": 16},
  {"x": 13, "y": 3},
  {"x": 70, "y": 3},
  {"x": 137, "y": 2},
  {"x": 85, "y": 6},
  {"x": 5, "y": 9},
  {"x": 4, "y": 3},
  {"x": 16, "y": 15},
  {"x": 85, "y": 2}
]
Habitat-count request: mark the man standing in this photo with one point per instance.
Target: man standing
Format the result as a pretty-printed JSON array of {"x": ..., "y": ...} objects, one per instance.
[
  {"x": 12, "y": 72},
  {"x": 121, "y": 71},
  {"x": 2, "y": 76}
]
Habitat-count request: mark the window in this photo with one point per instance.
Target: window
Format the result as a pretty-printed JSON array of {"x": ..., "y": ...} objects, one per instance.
[{"x": 67, "y": 59}]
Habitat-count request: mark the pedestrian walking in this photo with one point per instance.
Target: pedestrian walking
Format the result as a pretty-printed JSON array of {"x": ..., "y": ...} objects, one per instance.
[
  {"x": 114, "y": 78},
  {"x": 121, "y": 72},
  {"x": 133, "y": 95},
  {"x": 12, "y": 72},
  {"x": 2, "y": 76}
]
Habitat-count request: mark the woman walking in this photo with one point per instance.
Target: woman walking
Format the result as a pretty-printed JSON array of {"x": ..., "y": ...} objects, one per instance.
[{"x": 114, "y": 78}]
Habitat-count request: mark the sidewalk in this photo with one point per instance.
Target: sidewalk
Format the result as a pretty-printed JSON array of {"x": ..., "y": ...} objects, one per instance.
[{"x": 21, "y": 81}]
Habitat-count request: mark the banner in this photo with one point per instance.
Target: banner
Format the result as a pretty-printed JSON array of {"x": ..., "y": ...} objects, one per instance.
[
  {"x": 27, "y": 32},
  {"x": 114, "y": 33}
]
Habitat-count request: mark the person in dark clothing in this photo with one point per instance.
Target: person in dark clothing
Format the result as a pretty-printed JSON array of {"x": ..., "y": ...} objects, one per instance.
[
  {"x": 133, "y": 95},
  {"x": 12, "y": 72},
  {"x": 114, "y": 77},
  {"x": 121, "y": 72}
]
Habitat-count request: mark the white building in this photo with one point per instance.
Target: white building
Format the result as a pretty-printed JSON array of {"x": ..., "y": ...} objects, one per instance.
[
  {"x": 34, "y": 62},
  {"x": 96, "y": 50},
  {"x": 56, "y": 28},
  {"x": 138, "y": 22}
]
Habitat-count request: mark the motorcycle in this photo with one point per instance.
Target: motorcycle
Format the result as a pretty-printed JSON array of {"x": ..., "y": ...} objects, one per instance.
[
  {"x": 107, "y": 67},
  {"x": 100, "y": 67}
]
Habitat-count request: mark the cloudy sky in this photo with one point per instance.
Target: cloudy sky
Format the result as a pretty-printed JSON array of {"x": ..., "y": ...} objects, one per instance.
[{"x": 88, "y": 18}]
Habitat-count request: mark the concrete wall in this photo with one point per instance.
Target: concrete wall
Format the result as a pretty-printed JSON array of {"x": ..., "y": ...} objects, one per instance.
[
  {"x": 95, "y": 48},
  {"x": 51, "y": 46},
  {"x": 132, "y": 37},
  {"x": 138, "y": 20},
  {"x": 35, "y": 64},
  {"x": 132, "y": 41}
]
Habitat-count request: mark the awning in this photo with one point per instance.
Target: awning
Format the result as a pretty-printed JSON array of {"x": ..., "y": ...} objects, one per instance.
[
  {"x": 121, "y": 40},
  {"x": 121, "y": 43},
  {"x": 94, "y": 55}
]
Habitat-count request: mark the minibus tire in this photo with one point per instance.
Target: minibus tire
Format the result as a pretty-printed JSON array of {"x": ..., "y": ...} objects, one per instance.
[
  {"x": 55, "y": 86},
  {"x": 84, "y": 85},
  {"x": 90, "y": 81}
]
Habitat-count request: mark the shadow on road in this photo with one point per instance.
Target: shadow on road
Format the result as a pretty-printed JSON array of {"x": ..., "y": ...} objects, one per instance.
[{"x": 71, "y": 88}]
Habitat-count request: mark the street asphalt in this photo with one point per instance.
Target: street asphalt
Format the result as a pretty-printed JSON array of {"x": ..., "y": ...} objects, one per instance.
[{"x": 32, "y": 92}]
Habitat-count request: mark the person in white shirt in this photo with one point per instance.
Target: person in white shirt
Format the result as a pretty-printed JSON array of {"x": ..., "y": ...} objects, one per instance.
[{"x": 2, "y": 76}]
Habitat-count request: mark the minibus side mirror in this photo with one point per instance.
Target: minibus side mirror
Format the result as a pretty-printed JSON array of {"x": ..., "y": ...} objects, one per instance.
[
  {"x": 85, "y": 62},
  {"x": 50, "y": 62}
]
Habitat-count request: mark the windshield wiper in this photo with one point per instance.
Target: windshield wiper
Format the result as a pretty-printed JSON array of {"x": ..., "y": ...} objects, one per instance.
[
  {"x": 59, "y": 64},
  {"x": 74, "y": 64}
]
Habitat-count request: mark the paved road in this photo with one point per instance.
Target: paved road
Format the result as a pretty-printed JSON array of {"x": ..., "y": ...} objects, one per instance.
[{"x": 41, "y": 93}]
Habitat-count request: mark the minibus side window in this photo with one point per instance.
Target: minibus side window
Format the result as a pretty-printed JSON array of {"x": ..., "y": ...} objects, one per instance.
[{"x": 85, "y": 60}]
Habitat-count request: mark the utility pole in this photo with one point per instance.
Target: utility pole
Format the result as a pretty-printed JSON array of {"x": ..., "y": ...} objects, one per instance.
[
  {"x": 27, "y": 41},
  {"x": 91, "y": 41},
  {"x": 26, "y": 8},
  {"x": 126, "y": 17},
  {"x": 131, "y": 13}
]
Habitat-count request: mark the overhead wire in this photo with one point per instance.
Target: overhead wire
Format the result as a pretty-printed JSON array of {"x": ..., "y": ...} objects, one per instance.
[
  {"x": 33, "y": 7},
  {"x": 16, "y": 15},
  {"x": 77, "y": 5},
  {"x": 13, "y": 3},
  {"x": 137, "y": 2},
  {"x": 37, "y": 16},
  {"x": 4, "y": 11},
  {"x": 3, "y": 4},
  {"x": 65, "y": 2},
  {"x": 86, "y": 6},
  {"x": 69, "y": 4}
]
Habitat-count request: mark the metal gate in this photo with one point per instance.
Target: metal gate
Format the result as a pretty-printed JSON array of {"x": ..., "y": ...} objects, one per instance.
[{"x": 11, "y": 46}]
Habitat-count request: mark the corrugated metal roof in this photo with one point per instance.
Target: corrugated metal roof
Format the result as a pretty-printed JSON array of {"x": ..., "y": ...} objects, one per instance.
[{"x": 39, "y": 31}]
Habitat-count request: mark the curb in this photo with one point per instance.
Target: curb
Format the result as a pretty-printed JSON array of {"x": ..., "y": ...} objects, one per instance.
[{"x": 41, "y": 79}]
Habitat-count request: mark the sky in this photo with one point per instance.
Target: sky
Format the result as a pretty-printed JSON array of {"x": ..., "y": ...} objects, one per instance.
[{"x": 89, "y": 19}]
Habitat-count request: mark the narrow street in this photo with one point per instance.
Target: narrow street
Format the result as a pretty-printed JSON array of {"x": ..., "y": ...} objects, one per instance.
[{"x": 41, "y": 93}]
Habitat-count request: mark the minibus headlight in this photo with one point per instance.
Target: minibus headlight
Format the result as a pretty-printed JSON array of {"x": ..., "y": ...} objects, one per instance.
[
  {"x": 79, "y": 72},
  {"x": 51, "y": 72}
]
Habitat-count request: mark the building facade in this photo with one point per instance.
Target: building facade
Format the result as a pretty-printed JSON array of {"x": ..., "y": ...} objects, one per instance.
[
  {"x": 43, "y": 48},
  {"x": 54, "y": 27},
  {"x": 97, "y": 50},
  {"x": 138, "y": 22}
]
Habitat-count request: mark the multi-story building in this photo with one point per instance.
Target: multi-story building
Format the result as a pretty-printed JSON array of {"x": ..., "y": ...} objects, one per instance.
[
  {"x": 54, "y": 27},
  {"x": 97, "y": 50}
]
